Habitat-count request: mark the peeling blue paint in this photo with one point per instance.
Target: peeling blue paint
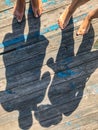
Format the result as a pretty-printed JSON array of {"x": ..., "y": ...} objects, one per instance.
[
  {"x": 50, "y": 28},
  {"x": 77, "y": 116},
  {"x": 63, "y": 74},
  {"x": 9, "y": 92},
  {"x": 24, "y": 37},
  {"x": 68, "y": 123},
  {"x": 44, "y": 1},
  {"x": 8, "y": 3},
  {"x": 77, "y": 19},
  {"x": 95, "y": 88},
  {"x": 6, "y": 12},
  {"x": 43, "y": 31},
  {"x": 11, "y": 42},
  {"x": 67, "y": 73},
  {"x": 77, "y": 127},
  {"x": 51, "y": 3}
]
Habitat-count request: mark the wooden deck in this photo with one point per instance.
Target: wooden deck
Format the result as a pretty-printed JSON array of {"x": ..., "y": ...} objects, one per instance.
[{"x": 48, "y": 77}]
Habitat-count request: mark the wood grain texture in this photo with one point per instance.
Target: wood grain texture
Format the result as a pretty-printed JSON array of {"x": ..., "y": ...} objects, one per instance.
[{"x": 48, "y": 77}]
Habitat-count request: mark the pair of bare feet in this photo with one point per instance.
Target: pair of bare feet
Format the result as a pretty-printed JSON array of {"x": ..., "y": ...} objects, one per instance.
[
  {"x": 84, "y": 27},
  {"x": 64, "y": 19},
  {"x": 19, "y": 9}
]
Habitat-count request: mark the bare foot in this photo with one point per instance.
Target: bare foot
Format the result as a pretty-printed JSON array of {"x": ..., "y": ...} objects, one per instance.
[
  {"x": 19, "y": 9},
  {"x": 84, "y": 28},
  {"x": 37, "y": 7},
  {"x": 64, "y": 18}
]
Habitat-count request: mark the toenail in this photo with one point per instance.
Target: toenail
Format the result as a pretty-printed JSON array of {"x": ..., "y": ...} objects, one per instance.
[
  {"x": 18, "y": 20},
  {"x": 77, "y": 34}
]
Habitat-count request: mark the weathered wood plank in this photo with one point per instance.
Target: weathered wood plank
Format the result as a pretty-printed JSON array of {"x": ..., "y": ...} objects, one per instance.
[
  {"x": 55, "y": 20},
  {"x": 29, "y": 101},
  {"x": 77, "y": 116},
  {"x": 84, "y": 71}
]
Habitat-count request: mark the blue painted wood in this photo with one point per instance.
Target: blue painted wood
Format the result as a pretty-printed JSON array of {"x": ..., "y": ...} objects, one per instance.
[
  {"x": 43, "y": 31},
  {"x": 24, "y": 87}
]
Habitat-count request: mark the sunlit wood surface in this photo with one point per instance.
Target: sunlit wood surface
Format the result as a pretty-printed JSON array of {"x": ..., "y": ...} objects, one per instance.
[{"x": 48, "y": 77}]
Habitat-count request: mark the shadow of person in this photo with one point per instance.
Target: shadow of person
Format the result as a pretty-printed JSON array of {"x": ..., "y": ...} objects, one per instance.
[
  {"x": 71, "y": 72},
  {"x": 49, "y": 114},
  {"x": 24, "y": 88}
]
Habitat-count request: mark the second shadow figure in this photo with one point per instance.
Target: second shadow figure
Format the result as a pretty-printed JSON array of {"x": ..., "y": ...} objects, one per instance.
[
  {"x": 52, "y": 112},
  {"x": 70, "y": 78},
  {"x": 24, "y": 88}
]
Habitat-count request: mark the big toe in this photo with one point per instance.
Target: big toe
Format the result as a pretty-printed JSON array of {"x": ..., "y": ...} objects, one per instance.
[
  {"x": 81, "y": 32},
  {"x": 36, "y": 14},
  {"x": 40, "y": 11},
  {"x": 19, "y": 18}
]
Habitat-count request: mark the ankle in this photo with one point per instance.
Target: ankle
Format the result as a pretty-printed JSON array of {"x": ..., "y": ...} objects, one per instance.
[
  {"x": 71, "y": 9},
  {"x": 89, "y": 17},
  {"x": 92, "y": 14},
  {"x": 20, "y": 1}
]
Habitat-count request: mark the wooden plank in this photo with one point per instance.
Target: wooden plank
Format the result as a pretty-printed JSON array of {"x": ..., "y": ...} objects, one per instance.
[
  {"x": 69, "y": 62},
  {"x": 79, "y": 115},
  {"x": 83, "y": 70},
  {"x": 64, "y": 45},
  {"x": 35, "y": 21}
]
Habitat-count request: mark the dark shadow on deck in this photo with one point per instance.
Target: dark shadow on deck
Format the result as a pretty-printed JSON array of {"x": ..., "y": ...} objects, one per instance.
[
  {"x": 25, "y": 89},
  {"x": 70, "y": 78},
  {"x": 68, "y": 85}
]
